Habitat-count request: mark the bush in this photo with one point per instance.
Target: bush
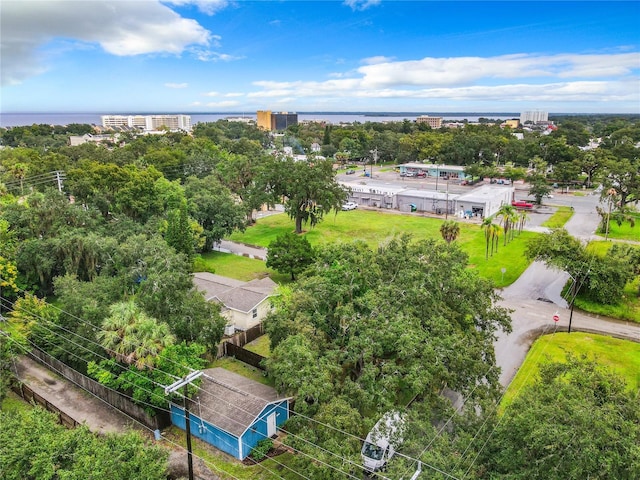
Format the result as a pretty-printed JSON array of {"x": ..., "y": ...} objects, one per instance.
[{"x": 262, "y": 448}]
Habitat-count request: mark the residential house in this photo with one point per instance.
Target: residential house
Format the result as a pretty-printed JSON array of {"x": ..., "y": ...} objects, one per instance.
[
  {"x": 232, "y": 413},
  {"x": 245, "y": 304}
]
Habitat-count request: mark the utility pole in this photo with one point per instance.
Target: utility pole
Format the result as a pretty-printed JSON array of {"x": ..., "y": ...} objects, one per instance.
[
  {"x": 184, "y": 382},
  {"x": 375, "y": 159}
]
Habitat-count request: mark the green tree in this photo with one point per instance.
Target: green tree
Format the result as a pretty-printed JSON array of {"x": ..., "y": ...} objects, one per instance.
[
  {"x": 290, "y": 254},
  {"x": 214, "y": 208},
  {"x": 179, "y": 233},
  {"x": 576, "y": 421},
  {"x": 450, "y": 230},
  {"x": 309, "y": 189},
  {"x": 132, "y": 337},
  {"x": 34, "y": 446},
  {"x": 601, "y": 278}
]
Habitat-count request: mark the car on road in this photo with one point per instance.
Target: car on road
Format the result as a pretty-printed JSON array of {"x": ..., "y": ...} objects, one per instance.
[
  {"x": 350, "y": 172},
  {"x": 421, "y": 174},
  {"x": 409, "y": 174},
  {"x": 349, "y": 206},
  {"x": 522, "y": 205}
]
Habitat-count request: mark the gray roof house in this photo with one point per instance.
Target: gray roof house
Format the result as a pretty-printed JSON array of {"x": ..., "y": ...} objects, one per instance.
[
  {"x": 233, "y": 413},
  {"x": 245, "y": 304}
]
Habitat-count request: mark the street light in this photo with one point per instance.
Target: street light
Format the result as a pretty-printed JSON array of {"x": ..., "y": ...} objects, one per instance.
[
  {"x": 576, "y": 289},
  {"x": 610, "y": 193}
]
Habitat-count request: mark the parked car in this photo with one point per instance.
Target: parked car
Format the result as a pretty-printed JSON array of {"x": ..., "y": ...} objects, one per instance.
[
  {"x": 350, "y": 172},
  {"x": 410, "y": 174},
  {"x": 382, "y": 441},
  {"x": 421, "y": 174},
  {"x": 521, "y": 204},
  {"x": 350, "y": 206}
]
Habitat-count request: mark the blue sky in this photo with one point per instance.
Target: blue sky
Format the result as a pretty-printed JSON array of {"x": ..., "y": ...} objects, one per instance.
[{"x": 214, "y": 56}]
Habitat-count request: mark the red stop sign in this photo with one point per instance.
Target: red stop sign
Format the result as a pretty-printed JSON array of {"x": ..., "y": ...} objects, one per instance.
[{"x": 556, "y": 318}]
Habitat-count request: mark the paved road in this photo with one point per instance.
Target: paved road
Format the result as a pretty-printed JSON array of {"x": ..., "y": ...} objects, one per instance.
[{"x": 536, "y": 296}]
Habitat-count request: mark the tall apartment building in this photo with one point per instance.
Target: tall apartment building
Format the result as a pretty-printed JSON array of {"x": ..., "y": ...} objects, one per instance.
[
  {"x": 275, "y": 121},
  {"x": 148, "y": 123},
  {"x": 433, "y": 122},
  {"x": 534, "y": 117}
]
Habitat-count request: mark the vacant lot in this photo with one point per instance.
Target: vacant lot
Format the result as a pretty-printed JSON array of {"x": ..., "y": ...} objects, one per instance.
[
  {"x": 620, "y": 355},
  {"x": 376, "y": 228}
]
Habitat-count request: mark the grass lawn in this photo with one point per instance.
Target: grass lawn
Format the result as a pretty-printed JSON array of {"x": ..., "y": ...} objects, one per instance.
[
  {"x": 624, "y": 231},
  {"x": 622, "y": 356},
  {"x": 13, "y": 403},
  {"x": 375, "y": 228},
  {"x": 236, "y": 266},
  {"x": 628, "y": 308},
  {"x": 244, "y": 369},
  {"x": 260, "y": 346},
  {"x": 227, "y": 467},
  {"x": 559, "y": 218}
]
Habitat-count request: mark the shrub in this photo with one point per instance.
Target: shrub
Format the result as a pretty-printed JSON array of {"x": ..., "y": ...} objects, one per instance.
[{"x": 262, "y": 448}]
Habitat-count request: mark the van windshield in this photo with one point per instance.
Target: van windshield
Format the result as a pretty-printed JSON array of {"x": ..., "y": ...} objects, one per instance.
[{"x": 372, "y": 451}]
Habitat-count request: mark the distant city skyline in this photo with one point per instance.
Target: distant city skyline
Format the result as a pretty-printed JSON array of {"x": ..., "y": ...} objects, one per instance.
[{"x": 216, "y": 56}]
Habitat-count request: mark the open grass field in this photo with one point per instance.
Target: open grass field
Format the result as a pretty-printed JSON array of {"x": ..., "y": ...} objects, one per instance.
[
  {"x": 622, "y": 356},
  {"x": 376, "y": 228},
  {"x": 624, "y": 231},
  {"x": 559, "y": 218}
]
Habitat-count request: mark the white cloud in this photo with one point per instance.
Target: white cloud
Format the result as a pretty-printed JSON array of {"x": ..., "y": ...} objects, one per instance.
[
  {"x": 211, "y": 94},
  {"x": 361, "y": 4},
  {"x": 376, "y": 60},
  {"x": 209, "y": 7},
  {"x": 234, "y": 94},
  {"x": 121, "y": 28},
  {"x": 176, "y": 85},
  {"x": 514, "y": 78}
]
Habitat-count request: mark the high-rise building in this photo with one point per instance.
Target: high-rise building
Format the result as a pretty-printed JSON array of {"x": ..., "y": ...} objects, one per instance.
[
  {"x": 148, "y": 122},
  {"x": 433, "y": 122},
  {"x": 275, "y": 121},
  {"x": 534, "y": 117}
]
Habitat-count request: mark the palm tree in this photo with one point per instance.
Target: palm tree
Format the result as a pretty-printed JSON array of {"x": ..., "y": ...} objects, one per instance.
[
  {"x": 495, "y": 237},
  {"x": 523, "y": 217},
  {"x": 132, "y": 337},
  {"x": 487, "y": 226},
  {"x": 508, "y": 213},
  {"x": 450, "y": 230}
]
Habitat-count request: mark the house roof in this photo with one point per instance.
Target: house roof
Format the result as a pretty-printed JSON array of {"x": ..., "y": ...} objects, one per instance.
[
  {"x": 230, "y": 401},
  {"x": 234, "y": 294}
]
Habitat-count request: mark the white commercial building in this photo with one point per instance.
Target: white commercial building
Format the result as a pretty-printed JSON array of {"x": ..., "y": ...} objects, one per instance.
[
  {"x": 148, "y": 123},
  {"x": 534, "y": 117}
]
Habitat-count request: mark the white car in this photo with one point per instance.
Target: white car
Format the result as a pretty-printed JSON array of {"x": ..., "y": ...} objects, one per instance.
[{"x": 350, "y": 206}]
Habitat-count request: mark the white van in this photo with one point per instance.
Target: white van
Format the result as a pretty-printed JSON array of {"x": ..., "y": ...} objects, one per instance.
[{"x": 381, "y": 442}]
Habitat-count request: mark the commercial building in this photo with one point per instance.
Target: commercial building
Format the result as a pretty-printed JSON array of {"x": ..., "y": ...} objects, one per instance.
[
  {"x": 148, "y": 123},
  {"x": 536, "y": 116},
  {"x": 433, "y": 122},
  {"x": 275, "y": 121}
]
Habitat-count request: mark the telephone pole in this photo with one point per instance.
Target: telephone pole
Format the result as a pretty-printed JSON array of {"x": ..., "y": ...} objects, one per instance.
[{"x": 184, "y": 382}]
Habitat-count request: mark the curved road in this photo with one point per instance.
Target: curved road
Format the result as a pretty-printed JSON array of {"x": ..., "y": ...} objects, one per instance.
[{"x": 536, "y": 297}]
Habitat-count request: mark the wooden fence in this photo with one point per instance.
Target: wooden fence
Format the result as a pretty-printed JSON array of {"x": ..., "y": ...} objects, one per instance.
[
  {"x": 244, "y": 355},
  {"x": 159, "y": 421},
  {"x": 240, "y": 339},
  {"x": 32, "y": 397}
]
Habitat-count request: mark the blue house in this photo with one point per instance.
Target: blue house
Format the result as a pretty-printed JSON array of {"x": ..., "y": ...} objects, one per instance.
[{"x": 233, "y": 413}]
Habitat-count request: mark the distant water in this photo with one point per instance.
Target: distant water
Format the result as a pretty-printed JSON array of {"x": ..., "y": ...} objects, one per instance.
[{"x": 23, "y": 119}]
